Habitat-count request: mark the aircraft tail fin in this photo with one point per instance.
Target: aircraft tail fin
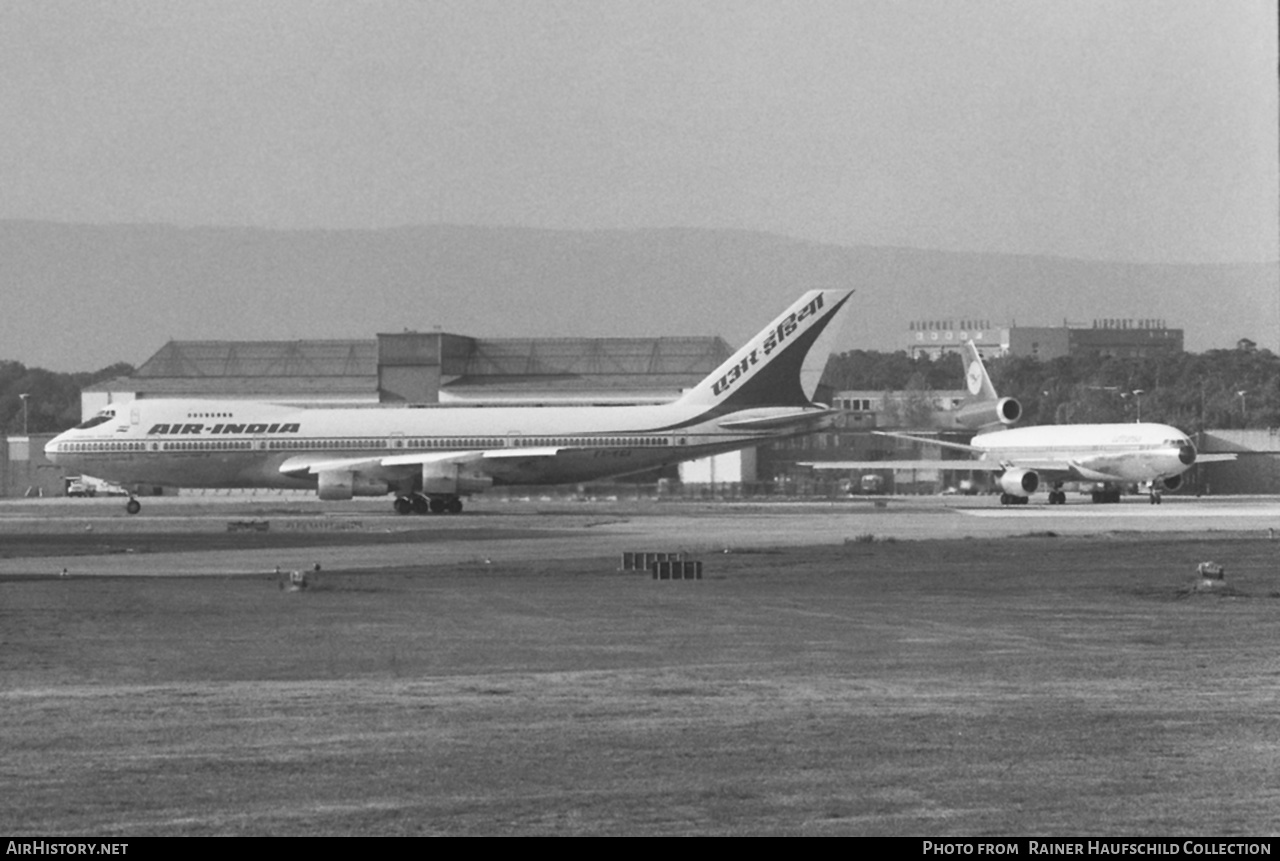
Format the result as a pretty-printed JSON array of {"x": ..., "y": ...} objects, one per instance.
[
  {"x": 983, "y": 407},
  {"x": 781, "y": 365}
]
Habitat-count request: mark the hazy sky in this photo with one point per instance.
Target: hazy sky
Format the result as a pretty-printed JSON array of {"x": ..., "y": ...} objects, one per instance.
[{"x": 1141, "y": 130}]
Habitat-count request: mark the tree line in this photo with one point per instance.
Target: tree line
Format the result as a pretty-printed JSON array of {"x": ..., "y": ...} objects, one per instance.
[
  {"x": 1191, "y": 391},
  {"x": 53, "y": 399}
]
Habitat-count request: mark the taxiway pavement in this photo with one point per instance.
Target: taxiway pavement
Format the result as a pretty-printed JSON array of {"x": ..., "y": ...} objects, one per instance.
[{"x": 501, "y": 531}]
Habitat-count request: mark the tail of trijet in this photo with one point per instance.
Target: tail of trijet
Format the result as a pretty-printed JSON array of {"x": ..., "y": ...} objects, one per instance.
[{"x": 983, "y": 408}]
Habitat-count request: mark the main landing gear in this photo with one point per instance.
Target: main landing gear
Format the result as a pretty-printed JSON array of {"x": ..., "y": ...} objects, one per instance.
[
  {"x": 1057, "y": 496},
  {"x": 1010, "y": 499},
  {"x": 416, "y": 503}
]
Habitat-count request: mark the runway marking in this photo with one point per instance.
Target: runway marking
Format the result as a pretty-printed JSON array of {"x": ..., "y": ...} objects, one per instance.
[{"x": 1113, "y": 511}]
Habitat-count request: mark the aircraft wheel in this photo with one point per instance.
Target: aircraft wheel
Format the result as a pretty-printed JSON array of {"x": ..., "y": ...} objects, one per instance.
[
  {"x": 454, "y": 506},
  {"x": 1004, "y": 499},
  {"x": 402, "y": 505},
  {"x": 421, "y": 505},
  {"x": 437, "y": 505},
  {"x": 133, "y": 506}
]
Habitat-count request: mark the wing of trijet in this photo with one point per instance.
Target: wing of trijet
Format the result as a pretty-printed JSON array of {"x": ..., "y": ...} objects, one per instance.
[
  {"x": 1058, "y": 470},
  {"x": 973, "y": 465}
]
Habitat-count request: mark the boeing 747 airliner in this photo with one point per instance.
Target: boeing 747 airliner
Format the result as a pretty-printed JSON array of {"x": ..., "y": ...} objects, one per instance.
[{"x": 431, "y": 457}]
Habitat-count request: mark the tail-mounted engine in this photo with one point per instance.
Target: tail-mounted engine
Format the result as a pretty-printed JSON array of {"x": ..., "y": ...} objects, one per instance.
[
  {"x": 1019, "y": 482},
  {"x": 1004, "y": 411}
]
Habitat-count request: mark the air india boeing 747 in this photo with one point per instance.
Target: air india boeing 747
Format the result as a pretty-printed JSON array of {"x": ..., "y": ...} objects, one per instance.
[{"x": 429, "y": 458}]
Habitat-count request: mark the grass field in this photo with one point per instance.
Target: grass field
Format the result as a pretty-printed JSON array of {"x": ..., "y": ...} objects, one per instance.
[{"x": 1020, "y": 686}]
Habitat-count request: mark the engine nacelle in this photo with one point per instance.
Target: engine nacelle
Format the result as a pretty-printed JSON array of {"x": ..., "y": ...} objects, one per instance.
[
  {"x": 1019, "y": 482},
  {"x": 1172, "y": 482},
  {"x": 449, "y": 479},
  {"x": 344, "y": 485},
  {"x": 1004, "y": 411}
]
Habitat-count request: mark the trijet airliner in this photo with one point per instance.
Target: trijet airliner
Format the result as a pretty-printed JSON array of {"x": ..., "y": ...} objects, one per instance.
[
  {"x": 1107, "y": 455},
  {"x": 431, "y": 457}
]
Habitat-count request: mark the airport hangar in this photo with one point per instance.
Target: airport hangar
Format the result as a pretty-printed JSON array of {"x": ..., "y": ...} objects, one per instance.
[{"x": 439, "y": 368}]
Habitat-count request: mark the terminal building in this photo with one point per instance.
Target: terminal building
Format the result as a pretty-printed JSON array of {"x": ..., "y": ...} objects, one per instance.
[{"x": 1118, "y": 337}]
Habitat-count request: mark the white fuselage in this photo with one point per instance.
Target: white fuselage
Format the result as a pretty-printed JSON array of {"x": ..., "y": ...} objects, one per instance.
[
  {"x": 1097, "y": 452},
  {"x": 249, "y": 444}
]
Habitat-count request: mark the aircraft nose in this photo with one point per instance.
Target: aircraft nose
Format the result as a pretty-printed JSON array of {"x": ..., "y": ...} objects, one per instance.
[{"x": 1187, "y": 453}]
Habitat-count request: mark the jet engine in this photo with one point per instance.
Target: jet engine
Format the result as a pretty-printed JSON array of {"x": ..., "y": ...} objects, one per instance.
[
  {"x": 1172, "y": 482},
  {"x": 452, "y": 479},
  {"x": 1004, "y": 411},
  {"x": 344, "y": 485},
  {"x": 1019, "y": 482}
]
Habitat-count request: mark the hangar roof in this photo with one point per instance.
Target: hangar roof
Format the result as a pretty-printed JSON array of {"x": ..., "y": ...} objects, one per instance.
[
  {"x": 473, "y": 367},
  {"x": 644, "y": 357},
  {"x": 187, "y": 359}
]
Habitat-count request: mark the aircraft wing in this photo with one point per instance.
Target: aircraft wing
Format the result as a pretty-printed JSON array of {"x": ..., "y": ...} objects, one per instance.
[
  {"x": 969, "y": 465},
  {"x": 955, "y": 446},
  {"x": 303, "y": 464},
  {"x": 315, "y": 464},
  {"x": 1101, "y": 468},
  {"x": 424, "y": 457},
  {"x": 1215, "y": 457}
]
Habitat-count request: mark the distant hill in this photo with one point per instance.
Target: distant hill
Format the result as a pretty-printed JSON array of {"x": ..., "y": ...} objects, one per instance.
[{"x": 78, "y": 297}]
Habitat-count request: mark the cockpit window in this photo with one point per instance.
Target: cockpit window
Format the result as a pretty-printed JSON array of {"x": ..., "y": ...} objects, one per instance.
[{"x": 104, "y": 416}]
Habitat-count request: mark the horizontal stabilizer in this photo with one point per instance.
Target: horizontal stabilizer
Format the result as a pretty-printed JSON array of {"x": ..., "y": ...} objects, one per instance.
[{"x": 766, "y": 422}]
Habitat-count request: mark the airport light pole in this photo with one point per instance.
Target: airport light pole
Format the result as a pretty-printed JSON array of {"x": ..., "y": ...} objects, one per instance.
[
  {"x": 1137, "y": 398},
  {"x": 24, "y": 397},
  {"x": 1244, "y": 413}
]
